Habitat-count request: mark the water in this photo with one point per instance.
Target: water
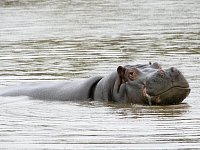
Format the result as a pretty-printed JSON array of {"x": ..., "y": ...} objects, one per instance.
[{"x": 58, "y": 40}]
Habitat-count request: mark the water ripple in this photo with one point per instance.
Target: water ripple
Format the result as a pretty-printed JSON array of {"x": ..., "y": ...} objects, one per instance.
[{"x": 58, "y": 40}]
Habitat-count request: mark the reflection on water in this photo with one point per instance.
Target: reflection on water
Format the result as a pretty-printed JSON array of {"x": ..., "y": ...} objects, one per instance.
[
  {"x": 95, "y": 125},
  {"x": 57, "y": 40}
]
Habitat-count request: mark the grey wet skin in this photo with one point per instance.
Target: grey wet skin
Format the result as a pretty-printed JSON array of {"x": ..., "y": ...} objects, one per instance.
[{"x": 139, "y": 84}]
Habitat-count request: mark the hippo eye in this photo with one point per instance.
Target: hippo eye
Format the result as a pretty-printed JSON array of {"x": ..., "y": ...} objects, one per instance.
[{"x": 132, "y": 75}]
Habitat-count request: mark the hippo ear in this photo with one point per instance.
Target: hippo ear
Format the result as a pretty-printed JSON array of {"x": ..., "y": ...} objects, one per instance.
[
  {"x": 121, "y": 71},
  {"x": 121, "y": 78}
]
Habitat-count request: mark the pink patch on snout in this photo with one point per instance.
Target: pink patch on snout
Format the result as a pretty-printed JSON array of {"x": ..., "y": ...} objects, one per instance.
[
  {"x": 147, "y": 96},
  {"x": 144, "y": 91},
  {"x": 161, "y": 72}
]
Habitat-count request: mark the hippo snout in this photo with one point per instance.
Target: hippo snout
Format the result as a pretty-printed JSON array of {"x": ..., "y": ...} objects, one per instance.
[
  {"x": 167, "y": 87},
  {"x": 177, "y": 78}
]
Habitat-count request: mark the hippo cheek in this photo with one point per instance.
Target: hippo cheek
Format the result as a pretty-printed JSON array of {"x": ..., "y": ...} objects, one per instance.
[
  {"x": 135, "y": 94},
  {"x": 172, "y": 96}
]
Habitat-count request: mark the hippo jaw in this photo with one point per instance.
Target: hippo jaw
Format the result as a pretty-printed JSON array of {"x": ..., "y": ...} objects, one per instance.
[{"x": 174, "y": 95}]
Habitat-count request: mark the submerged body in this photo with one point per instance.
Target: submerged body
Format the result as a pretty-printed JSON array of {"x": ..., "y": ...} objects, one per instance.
[{"x": 139, "y": 84}]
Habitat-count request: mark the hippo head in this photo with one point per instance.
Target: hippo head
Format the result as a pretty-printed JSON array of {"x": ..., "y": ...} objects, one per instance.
[{"x": 152, "y": 85}]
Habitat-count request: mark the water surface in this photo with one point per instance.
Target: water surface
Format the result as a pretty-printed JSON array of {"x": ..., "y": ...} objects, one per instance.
[{"x": 59, "y": 40}]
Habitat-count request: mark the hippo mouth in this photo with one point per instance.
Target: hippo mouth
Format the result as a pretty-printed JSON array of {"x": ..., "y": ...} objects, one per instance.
[{"x": 173, "y": 95}]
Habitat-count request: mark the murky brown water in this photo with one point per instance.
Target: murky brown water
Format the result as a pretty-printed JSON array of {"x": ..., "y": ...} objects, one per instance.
[{"x": 57, "y": 40}]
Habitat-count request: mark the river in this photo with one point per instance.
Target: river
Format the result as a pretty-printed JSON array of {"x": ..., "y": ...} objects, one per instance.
[{"x": 62, "y": 40}]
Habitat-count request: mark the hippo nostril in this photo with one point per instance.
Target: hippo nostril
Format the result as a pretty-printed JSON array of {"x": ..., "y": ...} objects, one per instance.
[
  {"x": 161, "y": 72},
  {"x": 174, "y": 71}
]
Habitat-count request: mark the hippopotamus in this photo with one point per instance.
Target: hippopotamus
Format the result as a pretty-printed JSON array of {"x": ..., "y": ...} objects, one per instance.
[{"x": 146, "y": 84}]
